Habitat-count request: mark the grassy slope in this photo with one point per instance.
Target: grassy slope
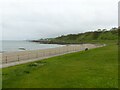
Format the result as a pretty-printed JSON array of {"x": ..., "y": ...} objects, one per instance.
[
  {"x": 87, "y": 37},
  {"x": 95, "y": 68}
]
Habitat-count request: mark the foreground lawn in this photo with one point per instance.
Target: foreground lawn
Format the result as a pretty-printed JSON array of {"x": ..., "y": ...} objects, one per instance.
[
  {"x": 96, "y": 68},
  {"x": 0, "y": 79}
]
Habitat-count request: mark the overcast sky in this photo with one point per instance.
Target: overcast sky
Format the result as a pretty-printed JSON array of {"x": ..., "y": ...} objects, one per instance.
[{"x": 35, "y": 19}]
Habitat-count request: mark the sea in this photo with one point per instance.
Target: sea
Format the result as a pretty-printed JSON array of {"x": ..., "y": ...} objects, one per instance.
[{"x": 13, "y": 46}]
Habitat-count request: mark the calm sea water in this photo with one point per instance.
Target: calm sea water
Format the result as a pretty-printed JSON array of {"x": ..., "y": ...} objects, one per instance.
[{"x": 11, "y": 46}]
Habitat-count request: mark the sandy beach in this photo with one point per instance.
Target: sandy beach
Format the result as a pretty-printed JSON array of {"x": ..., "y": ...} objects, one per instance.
[{"x": 14, "y": 58}]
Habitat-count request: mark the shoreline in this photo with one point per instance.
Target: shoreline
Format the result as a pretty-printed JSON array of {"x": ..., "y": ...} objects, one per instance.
[
  {"x": 64, "y": 45},
  {"x": 15, "y": 58},
  {"x": 23, "y": 45}
]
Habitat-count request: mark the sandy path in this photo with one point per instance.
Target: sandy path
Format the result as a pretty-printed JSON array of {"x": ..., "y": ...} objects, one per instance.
[{"x": 15, "y": 58}]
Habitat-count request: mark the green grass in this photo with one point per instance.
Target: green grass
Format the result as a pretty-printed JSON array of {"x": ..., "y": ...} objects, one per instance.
[
  {"x": 87, "y": 37},
  {"x": 96, "y": 68},
  {"x": 0, "y": 78}
]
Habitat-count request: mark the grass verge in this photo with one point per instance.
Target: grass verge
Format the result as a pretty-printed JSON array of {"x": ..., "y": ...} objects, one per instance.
[{"x": 96, "y": 68}]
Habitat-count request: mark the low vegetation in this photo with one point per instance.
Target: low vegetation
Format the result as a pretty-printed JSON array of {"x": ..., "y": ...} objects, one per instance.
[
  {"x": 87, "y": 37},
  {"x": 96, "y": 68}
]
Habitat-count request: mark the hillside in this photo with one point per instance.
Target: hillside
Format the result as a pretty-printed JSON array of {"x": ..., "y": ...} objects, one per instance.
[
  {"x": 87, "y": 37},
  {"x": 99, "y": 35}
]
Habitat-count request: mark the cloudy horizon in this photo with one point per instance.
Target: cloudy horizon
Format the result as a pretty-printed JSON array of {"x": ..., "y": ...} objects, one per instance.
[{"x": 35, "y": 19}]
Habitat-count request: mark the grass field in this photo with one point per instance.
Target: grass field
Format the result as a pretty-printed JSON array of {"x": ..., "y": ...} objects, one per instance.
[
  {"x": 96, "y": 68},
  {"x": 0, "y": 78}
]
